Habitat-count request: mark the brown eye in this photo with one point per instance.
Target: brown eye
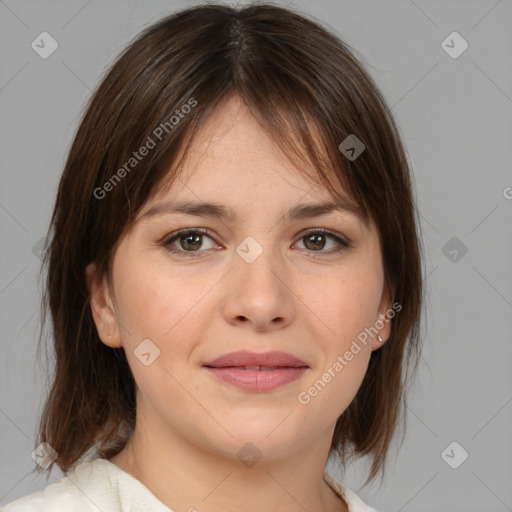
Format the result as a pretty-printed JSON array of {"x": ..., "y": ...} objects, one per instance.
[
  {"x": 186, "y": 241},
  {"x": 191, "y": 241},
  {"x": 316, "y": 240}
]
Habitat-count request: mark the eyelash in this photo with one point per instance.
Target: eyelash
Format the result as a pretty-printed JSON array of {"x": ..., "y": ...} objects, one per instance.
[{"x": 167, "y": 242}]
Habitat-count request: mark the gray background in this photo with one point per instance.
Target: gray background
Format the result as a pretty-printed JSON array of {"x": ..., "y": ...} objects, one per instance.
[{"x": 456, "y": 120}]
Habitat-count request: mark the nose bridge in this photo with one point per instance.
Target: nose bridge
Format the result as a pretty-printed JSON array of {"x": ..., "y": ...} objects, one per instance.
[
  {"x": 259, "y": 293},
  {"x": 259, "y": 256}
]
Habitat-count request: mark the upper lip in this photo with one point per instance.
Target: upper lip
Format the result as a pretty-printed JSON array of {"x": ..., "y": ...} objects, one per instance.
[{"x": 246, "y": 358}]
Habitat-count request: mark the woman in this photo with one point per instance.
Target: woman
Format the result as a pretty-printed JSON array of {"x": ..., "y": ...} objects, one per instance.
[{"x": 234, "y": 274}]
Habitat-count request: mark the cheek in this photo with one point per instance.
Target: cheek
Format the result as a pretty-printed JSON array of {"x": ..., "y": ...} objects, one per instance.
[
  {"x": 344, "y": 304},
  {"x": 349, "y": 305},
  {"x": 154, "y": 306},
  {"x": 344, "y": 385},
  {"x": 161, "y": 304}
]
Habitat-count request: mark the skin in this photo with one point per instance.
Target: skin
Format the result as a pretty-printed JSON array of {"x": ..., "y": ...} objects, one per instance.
[{"x": 295, "y": 297}]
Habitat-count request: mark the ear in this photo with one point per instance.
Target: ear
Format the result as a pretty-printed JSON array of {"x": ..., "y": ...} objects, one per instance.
[
  {"x": 102, "y": 308},
  {"x": 383, "y": 319}
]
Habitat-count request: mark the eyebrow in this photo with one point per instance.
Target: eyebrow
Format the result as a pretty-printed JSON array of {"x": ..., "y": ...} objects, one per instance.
[{"x": 219, "y": 211}]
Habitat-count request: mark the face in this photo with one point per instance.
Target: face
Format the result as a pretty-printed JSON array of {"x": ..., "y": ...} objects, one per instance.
[{"x": 268, "y": 281}]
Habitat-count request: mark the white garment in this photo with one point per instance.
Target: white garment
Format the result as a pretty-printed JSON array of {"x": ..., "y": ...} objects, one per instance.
[{"x": 101, "y": 486}]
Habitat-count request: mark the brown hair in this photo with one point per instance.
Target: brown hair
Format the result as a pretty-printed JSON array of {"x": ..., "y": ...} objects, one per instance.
[{"x": 310, "y": 93}]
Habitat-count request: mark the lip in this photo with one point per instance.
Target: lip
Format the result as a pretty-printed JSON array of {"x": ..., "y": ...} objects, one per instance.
[
  {"x": 266, "y": 371},
  {"x": 247, "y": 358}
]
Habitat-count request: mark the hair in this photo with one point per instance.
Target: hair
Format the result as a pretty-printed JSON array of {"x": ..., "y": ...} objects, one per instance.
[{"x": 309, "y": 92}]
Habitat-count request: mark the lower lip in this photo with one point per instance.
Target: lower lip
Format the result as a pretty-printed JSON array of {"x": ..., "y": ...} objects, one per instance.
[{"x": 258, "y": 380}]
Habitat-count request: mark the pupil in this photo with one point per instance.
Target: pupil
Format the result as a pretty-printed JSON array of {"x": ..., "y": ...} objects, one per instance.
[
  {"x": 197, "y": 238},
  {"x": 316, "y": 238}
]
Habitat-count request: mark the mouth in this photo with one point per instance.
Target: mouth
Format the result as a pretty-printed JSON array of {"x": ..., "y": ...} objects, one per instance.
[
  {"x": 251, "y": 371},
  {"x": 253, "y": 368}
]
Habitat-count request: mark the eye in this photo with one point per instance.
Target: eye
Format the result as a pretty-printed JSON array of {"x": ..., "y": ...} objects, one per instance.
[
  {"x": 315, "y": 241},
  {"x": 190, "y": 241}
]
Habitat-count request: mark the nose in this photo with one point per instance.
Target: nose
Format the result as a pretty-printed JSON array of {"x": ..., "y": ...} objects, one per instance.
[{"x": 259, "y": 294}]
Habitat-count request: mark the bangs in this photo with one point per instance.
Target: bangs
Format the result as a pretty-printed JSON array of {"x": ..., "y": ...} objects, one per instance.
[{"x": 304, "y": 140}]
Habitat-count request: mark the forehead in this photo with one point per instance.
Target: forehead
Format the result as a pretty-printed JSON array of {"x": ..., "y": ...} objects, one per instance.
[
  {"x": 232, "y": 141},
  {"x": 234, "y": 169},
  {"x": 233, "y": 148}
]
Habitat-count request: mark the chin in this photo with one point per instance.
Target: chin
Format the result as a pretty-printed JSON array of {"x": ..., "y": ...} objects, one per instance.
[{"x": 255, "y": 439}]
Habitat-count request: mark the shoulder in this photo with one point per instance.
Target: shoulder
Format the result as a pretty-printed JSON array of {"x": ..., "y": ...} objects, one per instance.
[
  {"x": 353, "y": 501},
  {"x": 87, "y": 488}
]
